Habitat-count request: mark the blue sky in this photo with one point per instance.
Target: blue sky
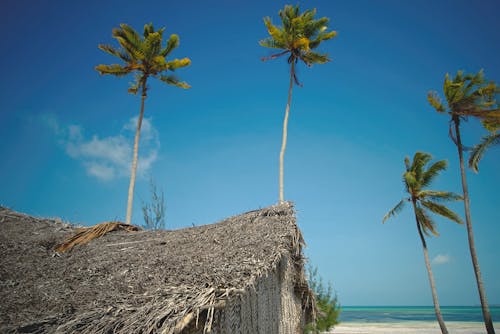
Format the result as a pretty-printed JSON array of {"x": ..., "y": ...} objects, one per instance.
[{"x": 213, "y": 149}]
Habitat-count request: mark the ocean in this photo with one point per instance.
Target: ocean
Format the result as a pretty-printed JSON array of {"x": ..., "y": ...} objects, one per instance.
[{"x": 377, "y": 314}]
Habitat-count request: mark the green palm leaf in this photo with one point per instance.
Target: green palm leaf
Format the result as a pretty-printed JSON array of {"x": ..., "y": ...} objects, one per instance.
[
  {"x": 115, "y": 52},
  {"x": 172, "y": 43},
  {"x": 430, "y": 174},
  {"x": 311, "y": 58},
  {"x": 440, "y": 196},
  {"x": 435, "y": 101},
  {"x": 114, "y": 69},
  {"x": 395, "y": 210},
  {"x": 478, "y": 151},
  {"x": 173, "y": 80},
  {"x": 178, "y": 63},
  {"x": 426, "y": 222},
  {"x": 442, "y": 211}
]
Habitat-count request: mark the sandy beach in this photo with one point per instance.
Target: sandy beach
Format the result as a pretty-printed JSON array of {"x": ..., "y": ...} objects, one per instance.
[{"x": 414, "y": 327}]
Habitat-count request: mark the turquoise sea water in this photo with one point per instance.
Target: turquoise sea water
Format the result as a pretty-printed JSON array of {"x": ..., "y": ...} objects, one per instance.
[{"x": 416, "y": 313}]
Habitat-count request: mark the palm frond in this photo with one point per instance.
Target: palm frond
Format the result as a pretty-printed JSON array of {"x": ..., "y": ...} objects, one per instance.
[
  {"x": 271, "y": 43},
  {"x": 440, "y": 196},
  {"x": 395, "y": 210},
  {"x": 322, "y": 37},
  {"x": 275, "y": 32},
  {"x": 114, "y": 69},
  {"x": 410, "y": 181},
  {"x": 115, "y": 52},
  {"x": 152, "y": 45},
  {"x": 435, "y": 101},
  {"x": 174, "y": 81},
  {"x": 433, "y": 171},
  {"x": 130, "y": 35},
  {"x": 311, "y": 58},
  {"x": 148, "y": 29},
  {"x": 442, "y": 210},
  {"x": 136, "y": 54},
  {"x": 478, "y": 150},
  {"x": 178, "y": 63},
  {"x": 420, "y": 159},
  {"x": 313, "y": 28},
  {"x": 172, "y": 43},
  {"x": 428, "y": 225},
  {"x": 87, "y": 234}
]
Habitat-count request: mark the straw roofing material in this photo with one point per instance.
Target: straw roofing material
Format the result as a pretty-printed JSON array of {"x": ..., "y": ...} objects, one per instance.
[{"x": 182, "y": 281}]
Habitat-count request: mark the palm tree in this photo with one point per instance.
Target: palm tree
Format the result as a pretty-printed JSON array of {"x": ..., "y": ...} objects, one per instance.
[
  {"x": 416, "y": 179},
  {"x": 469, "y": 95},
  {"x": 299, "y": 34},
  {"x": 145, "y": 57}
]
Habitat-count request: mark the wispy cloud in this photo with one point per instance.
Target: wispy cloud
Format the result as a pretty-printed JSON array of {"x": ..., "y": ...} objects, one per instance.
[
  {"x": 441, "y": 259},
  {"x": 107, "y": 158}
]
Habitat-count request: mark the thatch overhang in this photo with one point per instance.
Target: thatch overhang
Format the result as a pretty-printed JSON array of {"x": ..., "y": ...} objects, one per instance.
[{"x": 140, "y": 282}]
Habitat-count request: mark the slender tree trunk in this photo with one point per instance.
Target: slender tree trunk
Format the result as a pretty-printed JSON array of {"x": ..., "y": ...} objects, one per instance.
[
  {"x": 437, "y": 309},
  {"x": 133, "y": 172},
  {"x": 285, "y": 132},
  {"x": 468, "y": 222}
]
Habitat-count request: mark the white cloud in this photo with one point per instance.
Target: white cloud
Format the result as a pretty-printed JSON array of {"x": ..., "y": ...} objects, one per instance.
[
  {"x": 441, "y": 259},
  {"x": 107, "y": 158}
]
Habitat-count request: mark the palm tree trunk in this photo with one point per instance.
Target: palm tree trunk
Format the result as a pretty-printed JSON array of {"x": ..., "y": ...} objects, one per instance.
[
  {"x": 468, "y": 222},
  {"x": 285, "y": 132},
  {"x": 437, "y": 309},
  {"x": 133, "y": 172}
]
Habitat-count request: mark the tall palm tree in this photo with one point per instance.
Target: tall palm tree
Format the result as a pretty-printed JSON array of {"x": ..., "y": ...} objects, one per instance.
[
  {"x": 145, "y": 57},
  {"x": 469, "y": 95},
  {"x": 416, "y": 179},
  {"x": 297, "y": 37}
]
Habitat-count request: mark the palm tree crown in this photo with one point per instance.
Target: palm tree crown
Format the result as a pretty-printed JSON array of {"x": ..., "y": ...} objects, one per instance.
[
  {"x": 299, "y": 34},
  {"x": 416, "y": 179},
  {"x": 469, "y": 95},
  {"x": 144, "y": 56}
]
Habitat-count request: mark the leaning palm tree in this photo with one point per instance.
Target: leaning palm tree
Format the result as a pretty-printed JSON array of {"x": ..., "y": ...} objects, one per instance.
[
  {"x": 298, "y": 36},
  {"x": 469, "y": 95},
  {"x": 416, "y": 179},
  {"x": 145, "y": 57}
]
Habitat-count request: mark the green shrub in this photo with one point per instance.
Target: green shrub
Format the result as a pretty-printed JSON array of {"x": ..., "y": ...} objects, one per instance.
[
  {"x": 154, "y": 212},
  {"x": 326, "y": 303}
]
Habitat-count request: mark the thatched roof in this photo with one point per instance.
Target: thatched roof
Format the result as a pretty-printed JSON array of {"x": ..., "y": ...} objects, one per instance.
[{"x": 137, "y": 282}]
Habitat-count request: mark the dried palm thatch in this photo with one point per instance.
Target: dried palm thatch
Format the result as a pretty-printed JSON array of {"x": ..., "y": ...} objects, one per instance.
[
  {"x": 87, "y": 234},
  {"x": 242, "y": 275}
]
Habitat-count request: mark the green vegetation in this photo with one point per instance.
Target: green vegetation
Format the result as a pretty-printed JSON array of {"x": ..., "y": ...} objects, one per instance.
[
  {"x": 492, "y": 124},
  {"x": 298, "y": 35},
  {"x": 154, "y": 212},
  {"x": 326, "y": 302},
  {"x": 416, "y": 179},
  {"x": 145, "y": 57},
  {"x": 491, "y": 139},
  {"x": 470, "y": 95}
]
